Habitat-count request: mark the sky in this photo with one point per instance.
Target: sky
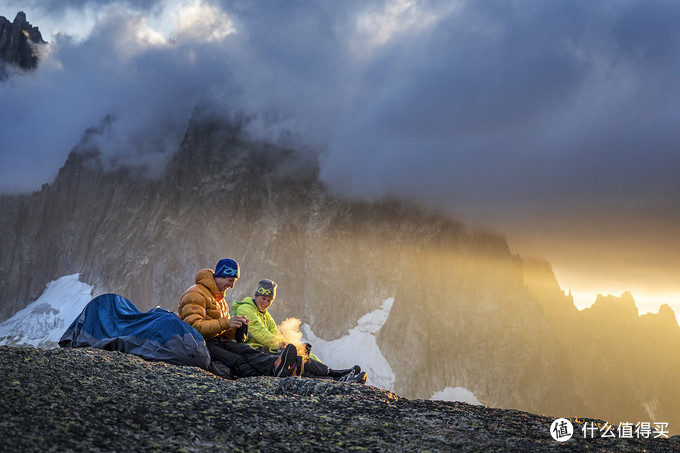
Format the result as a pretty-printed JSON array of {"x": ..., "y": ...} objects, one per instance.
[{"x": 549, "y": 122}]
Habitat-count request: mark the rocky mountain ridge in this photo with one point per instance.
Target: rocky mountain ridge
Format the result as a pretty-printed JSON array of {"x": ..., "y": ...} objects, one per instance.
[
  {"x": 94, "y": 400},
  {"x": 19, "y": 44},
  {"x": 467, "y": 312}
]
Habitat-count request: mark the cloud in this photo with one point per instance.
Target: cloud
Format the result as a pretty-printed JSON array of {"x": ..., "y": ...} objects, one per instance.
[
  {"x": 513, "y": 103},
  {"x": 479, "y": 108},
  {"x": 142, "y": 84}
]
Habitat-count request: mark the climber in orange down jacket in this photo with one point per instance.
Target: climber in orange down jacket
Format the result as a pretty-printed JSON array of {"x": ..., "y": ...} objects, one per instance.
[{"x": 204, "y": 308}]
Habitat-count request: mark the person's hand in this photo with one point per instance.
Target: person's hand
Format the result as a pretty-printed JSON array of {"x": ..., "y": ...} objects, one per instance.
[
  {"x": 235, "y": 322},
  {"x": 238, "y": 321}
]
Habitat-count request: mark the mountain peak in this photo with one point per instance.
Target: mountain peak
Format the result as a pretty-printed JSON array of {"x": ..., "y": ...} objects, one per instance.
[
  {"x": 665, "y": 318},
  {"x": 617, "y": 307},
  {"x": 20, "y": 18},
  {"x": 19, "y": 44}
]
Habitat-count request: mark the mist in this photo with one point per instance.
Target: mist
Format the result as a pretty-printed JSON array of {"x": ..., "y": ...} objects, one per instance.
[
  {"x": 470, "y": 106},
  {"x": 538, "y": 119}
]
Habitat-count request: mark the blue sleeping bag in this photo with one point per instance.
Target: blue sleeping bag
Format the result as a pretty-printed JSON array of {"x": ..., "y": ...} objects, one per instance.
[{"x": 113, "y": 323}]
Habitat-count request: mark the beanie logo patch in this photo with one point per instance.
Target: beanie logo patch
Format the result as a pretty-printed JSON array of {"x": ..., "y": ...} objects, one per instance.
[
  {"x": 264, "y": 292},
  {"x": 226, "y": 270}
]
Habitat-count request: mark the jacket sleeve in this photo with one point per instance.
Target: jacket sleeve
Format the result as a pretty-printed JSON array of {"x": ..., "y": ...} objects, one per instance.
[
  {"x": 192, "y": 311},
  {"x": 261, "y": 332},
  {"x": 273, "y": 329}
]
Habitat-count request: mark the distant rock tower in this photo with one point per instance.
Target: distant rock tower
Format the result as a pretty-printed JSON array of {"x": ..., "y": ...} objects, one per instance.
[{"x": 19, "y": 44}]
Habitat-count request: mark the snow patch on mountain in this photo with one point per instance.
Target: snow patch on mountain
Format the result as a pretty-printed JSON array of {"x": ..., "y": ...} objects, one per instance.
[
  {"x": 42, "y": 323},
  {"x": 455, "y": 394},
  {"x": 358, "y": 347}
]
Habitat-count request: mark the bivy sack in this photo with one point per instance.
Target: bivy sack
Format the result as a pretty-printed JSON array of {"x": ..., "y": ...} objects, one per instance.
[{"x": 113, "y": 323}]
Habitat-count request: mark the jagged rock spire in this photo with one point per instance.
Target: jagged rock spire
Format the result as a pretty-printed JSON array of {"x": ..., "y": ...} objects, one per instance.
[{"x": 19, "y": 43}]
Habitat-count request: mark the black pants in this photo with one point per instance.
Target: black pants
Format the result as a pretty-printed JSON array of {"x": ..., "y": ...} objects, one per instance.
[
  {"x": 243, "y": 360},
  {"x": 312, "y": 368},
  {"x": 315, "y": 369}
]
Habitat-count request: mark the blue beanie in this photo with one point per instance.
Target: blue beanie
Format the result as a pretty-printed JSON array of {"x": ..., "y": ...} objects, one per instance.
[{"x": 227, "y": 268}]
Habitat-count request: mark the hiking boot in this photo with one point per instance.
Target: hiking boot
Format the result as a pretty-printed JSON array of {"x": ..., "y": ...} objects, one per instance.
[
  {"x": 283, "y": 366},
  {"x": 359, "y": 378},
  {"x": 356, "y": 369}
]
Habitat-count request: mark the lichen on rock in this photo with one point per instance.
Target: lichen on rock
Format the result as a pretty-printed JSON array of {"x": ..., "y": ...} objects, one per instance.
[{"x": 94, "y": 400}]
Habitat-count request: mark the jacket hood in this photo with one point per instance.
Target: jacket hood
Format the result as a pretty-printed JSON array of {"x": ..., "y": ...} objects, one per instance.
[
  {"x": 206, "y": 278},
  {"x": 246, "y": 301}
]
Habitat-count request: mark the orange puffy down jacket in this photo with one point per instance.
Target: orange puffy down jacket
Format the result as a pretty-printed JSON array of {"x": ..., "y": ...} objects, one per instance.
[{"x": 204, "y": 308}]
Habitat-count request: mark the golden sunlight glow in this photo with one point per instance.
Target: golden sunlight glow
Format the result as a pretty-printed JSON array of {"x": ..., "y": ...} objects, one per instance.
[
  {"x": 607, "y": 253},
  {"x": 646, "y": 301}
]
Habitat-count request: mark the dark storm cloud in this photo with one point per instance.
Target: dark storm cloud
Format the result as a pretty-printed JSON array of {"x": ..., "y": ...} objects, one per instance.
[
  {"x": 59, "y": 7},
  {"x": 476, "y": 107},
  {"x": 275, "y": 69},
  {"x": 520, "y": 103}
]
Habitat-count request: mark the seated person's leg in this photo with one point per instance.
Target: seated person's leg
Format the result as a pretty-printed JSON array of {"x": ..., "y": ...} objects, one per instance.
[
  {"x": 314, "y": 368},
  {"x": 219, "y": 353},
  {"x": 246, "y": 361}
]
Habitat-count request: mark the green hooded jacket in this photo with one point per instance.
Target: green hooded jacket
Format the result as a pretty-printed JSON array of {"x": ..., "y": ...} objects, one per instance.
[{"x": 262, "y": 331}]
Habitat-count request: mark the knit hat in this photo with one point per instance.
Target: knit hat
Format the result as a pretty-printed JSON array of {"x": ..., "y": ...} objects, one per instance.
[
  {"x": 227, "y": 268},
  {"x": 266, "y": 287}
]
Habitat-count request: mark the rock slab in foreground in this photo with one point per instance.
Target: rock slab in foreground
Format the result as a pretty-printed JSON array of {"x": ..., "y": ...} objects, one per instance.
[{"x": 94, "y": 400}]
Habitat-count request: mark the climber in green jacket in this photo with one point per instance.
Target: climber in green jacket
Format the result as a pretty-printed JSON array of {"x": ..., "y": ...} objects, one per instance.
[{"x": 263, "y": 334}]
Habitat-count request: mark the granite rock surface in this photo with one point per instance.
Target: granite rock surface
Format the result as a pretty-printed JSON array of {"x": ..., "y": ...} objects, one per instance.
[{"x": 94, "y": 400}]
